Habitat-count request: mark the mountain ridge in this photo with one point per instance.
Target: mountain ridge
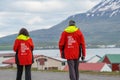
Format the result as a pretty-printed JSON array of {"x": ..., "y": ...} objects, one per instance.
[{"x": 98, "y": 27}]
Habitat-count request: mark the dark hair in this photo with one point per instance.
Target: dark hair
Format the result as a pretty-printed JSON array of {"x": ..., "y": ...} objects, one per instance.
[
  {"x": 24, "y": 32},
  {"x": 71, "y": 23}
]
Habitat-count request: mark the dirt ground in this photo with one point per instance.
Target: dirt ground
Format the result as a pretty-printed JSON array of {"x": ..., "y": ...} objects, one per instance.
[{"x": 39, "y": 75}]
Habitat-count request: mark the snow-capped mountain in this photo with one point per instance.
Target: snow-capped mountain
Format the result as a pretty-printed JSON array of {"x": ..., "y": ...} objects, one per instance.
[
  {"x": 106, "y": 7},
  {"x": 100, "y": 25}
]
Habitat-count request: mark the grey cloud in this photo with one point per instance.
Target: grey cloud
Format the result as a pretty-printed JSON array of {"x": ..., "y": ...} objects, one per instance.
[
  {"x": 14, "y": 16},
  {"x": 95, "y": 0}
]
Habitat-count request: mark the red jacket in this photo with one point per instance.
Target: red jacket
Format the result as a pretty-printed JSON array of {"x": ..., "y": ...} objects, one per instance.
[
  {"x": 72, "y": 43},
  {"x": 23, "y": 46}
]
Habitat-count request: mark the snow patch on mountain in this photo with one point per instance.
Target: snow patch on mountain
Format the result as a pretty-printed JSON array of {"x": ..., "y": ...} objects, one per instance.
[
  {"x": 106, "y": 7},
  {"x": 114, "y": 13},
  {"x": 110, "y": 6}
]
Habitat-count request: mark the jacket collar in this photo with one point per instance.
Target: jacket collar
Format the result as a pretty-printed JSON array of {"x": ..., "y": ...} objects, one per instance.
[
  {"x": 71, "y": 29},
  {"x": 22, "y": 37}
]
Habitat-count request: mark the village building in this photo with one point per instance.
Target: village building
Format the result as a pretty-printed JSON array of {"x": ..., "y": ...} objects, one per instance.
[
  {"x": 98, "y": 67},
  {"x": 113, "y": 60},
  {"x": 41, "y": 62},
  {"x": 94, "y": 59},
  {"x": 10, "y": 62},
  {"x": 110, "y": 62},
  {"x": 4, "y": 57}
]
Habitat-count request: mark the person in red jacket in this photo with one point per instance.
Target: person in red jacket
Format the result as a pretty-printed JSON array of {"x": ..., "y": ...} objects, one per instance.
[
  {"x": 23, "y": 46},
  {"x": 72, "y": 47}
]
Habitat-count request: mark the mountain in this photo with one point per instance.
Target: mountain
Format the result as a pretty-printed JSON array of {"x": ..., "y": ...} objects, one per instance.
[{"x": 100, "y": 25}]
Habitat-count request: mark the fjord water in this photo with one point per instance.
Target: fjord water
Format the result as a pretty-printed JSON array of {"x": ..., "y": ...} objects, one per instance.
[{"x": 89, "y": 52}]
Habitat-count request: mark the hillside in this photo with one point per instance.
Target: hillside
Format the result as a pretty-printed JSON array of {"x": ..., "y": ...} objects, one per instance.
[{"x": 100, "y": 25}]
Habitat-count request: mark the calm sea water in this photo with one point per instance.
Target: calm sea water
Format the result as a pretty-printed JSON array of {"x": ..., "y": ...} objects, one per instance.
[{"x": 89, "y": 52}]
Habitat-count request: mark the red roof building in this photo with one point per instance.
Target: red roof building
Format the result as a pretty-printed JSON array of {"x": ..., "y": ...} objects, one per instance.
[
  {"x": 9, "y": 61},
  {"x": 92, "y": 67},
  {"x": 41, "y": 62},
  {"x": 113, "y": 60}
]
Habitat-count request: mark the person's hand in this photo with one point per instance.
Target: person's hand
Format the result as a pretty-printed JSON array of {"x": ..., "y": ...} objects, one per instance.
[{"x": 83, "y": 58}]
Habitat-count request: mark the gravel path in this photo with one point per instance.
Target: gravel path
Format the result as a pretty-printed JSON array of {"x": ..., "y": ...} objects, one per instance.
[{"x": 39, "y": 75}]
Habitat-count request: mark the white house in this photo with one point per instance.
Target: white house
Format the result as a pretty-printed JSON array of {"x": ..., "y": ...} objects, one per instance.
[
  {"x": 106, "y": 68},
  {"x": 94, "y": 59},
  {"x": 43, "y": 62}
]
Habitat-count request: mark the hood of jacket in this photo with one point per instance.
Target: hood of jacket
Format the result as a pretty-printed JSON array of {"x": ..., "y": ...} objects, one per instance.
[
  {"x": 71, "y": 29},
  {"x": 22, "y": 37}
]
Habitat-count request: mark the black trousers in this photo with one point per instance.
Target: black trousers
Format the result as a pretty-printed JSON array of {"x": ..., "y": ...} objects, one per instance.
[
  {"x": 20, "y": 72},
  {"x": 73, "y": 69}
]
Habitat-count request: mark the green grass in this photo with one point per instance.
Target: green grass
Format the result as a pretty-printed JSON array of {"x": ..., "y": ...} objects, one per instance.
[{"x": 114, "y": 73}]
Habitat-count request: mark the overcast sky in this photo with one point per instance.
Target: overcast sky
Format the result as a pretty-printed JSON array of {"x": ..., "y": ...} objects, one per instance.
[{"x": 38, "y": 14}]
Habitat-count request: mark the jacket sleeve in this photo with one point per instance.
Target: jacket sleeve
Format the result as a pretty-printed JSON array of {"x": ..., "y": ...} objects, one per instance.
[
  {"x": 15, "y": 46},
  {"x": 62, "y": 45},
  {"x": 32, "y": 48},
  {"x": 82, "y": 44},
  {"x": 31, "y": 44}
]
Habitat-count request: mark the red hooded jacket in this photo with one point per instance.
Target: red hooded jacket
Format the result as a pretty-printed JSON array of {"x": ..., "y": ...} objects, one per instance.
[
  {"x": 72, "y": 43},
  {"x": 23, "y": 47}
]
